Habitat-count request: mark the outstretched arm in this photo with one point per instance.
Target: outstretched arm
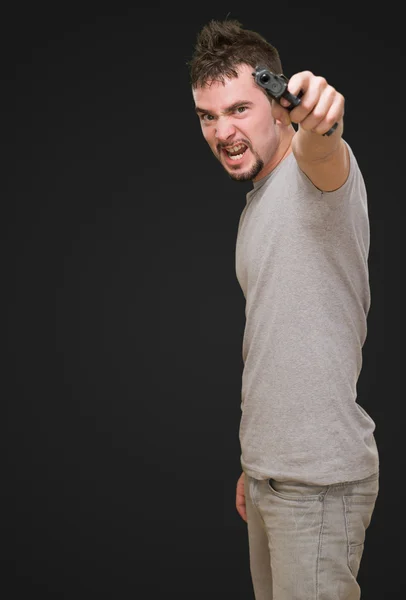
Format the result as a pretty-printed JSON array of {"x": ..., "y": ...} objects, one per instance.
[{"x": 324, "y": 159}]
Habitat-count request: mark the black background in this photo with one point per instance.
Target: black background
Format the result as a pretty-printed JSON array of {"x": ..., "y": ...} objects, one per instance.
[{"x": 121, "y": 387}]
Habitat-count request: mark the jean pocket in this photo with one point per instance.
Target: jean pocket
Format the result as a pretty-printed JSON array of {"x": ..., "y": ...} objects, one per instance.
[
  {"x": 358, "y": 514},
  {"x": 300, "y": 492}
]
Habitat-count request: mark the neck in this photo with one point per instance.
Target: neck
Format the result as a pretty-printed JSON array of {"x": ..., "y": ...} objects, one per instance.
[{"x": 283, "y": 150}]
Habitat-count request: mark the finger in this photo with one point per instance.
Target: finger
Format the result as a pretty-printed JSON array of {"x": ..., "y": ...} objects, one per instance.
[
  {"x": 240, "y": 484},
  {"x": 240, "y": 502},
  {"x": 320, "y": 110},
  {"x": 334, "y": 115},
  {"x": 242, "y": 511},
  {"x": 300, "y": 82},
  {"x": 280, "y": 113},
  {"x": 240, "y": 498},
  {"x": 284, "y": 102},
  {"x": 309, "y": 100}
]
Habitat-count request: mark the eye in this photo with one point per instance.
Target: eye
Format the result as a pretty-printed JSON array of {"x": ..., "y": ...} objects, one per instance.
[
  {"x": 206, "y": 117},
  {"x": 241, "y": 109}
]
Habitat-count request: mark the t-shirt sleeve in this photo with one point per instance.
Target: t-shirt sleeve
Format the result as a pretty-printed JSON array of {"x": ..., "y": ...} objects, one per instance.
[{"x": 354, "y": 184}]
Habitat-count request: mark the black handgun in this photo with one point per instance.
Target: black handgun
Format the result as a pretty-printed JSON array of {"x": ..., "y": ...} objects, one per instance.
[{"x": 276, "y": 86}]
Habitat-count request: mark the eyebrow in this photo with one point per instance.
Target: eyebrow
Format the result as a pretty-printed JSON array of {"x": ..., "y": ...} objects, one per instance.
[{"x": 228, "y": 110}]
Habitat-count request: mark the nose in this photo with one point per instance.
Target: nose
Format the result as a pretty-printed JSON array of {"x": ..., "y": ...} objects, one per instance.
[{"x": 224, "y": 130}]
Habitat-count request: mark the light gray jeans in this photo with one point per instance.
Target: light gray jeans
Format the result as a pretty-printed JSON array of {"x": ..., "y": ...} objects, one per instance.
[{"x": 306, "y": 541}]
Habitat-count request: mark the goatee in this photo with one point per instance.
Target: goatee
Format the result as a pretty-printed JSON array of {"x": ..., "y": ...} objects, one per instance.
[{"x": 248, "y": 175}]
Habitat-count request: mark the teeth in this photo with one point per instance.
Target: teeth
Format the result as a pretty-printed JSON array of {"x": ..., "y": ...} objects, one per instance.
[
  {"x": 236, "y": 148},
  {"x": 237, "y": 156}
]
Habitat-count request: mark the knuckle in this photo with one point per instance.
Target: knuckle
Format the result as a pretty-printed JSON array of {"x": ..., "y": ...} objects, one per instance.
[
  {"x": 321, "y": 81},
  {"x": 318, "y": 114},
  {"x": 320, "y": 130},
  {"x": 307, "y": 103}
]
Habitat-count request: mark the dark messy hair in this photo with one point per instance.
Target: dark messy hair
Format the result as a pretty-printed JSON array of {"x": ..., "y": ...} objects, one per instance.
[{"x": 222, "y": 46}]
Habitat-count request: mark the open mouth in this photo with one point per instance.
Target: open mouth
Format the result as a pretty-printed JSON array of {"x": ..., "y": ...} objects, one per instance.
[{"x": 235, "y": 152}]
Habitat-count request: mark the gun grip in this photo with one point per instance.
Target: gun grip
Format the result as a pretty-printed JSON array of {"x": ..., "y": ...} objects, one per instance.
[{"x": 294, "y": 100}]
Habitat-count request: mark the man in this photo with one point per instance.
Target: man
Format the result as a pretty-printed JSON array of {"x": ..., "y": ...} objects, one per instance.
[{"x": 309, "y": 458}]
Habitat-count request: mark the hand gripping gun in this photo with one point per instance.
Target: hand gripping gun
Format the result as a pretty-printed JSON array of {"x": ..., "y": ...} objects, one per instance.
[{"x": 276, "y": 86}]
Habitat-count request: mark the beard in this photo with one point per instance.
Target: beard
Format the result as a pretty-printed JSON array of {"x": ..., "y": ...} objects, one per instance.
[{"x": 247, "y": 175}]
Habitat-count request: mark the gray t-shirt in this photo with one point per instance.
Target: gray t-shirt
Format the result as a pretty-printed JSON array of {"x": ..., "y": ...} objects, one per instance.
[{"x": 302, "y": 264}]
